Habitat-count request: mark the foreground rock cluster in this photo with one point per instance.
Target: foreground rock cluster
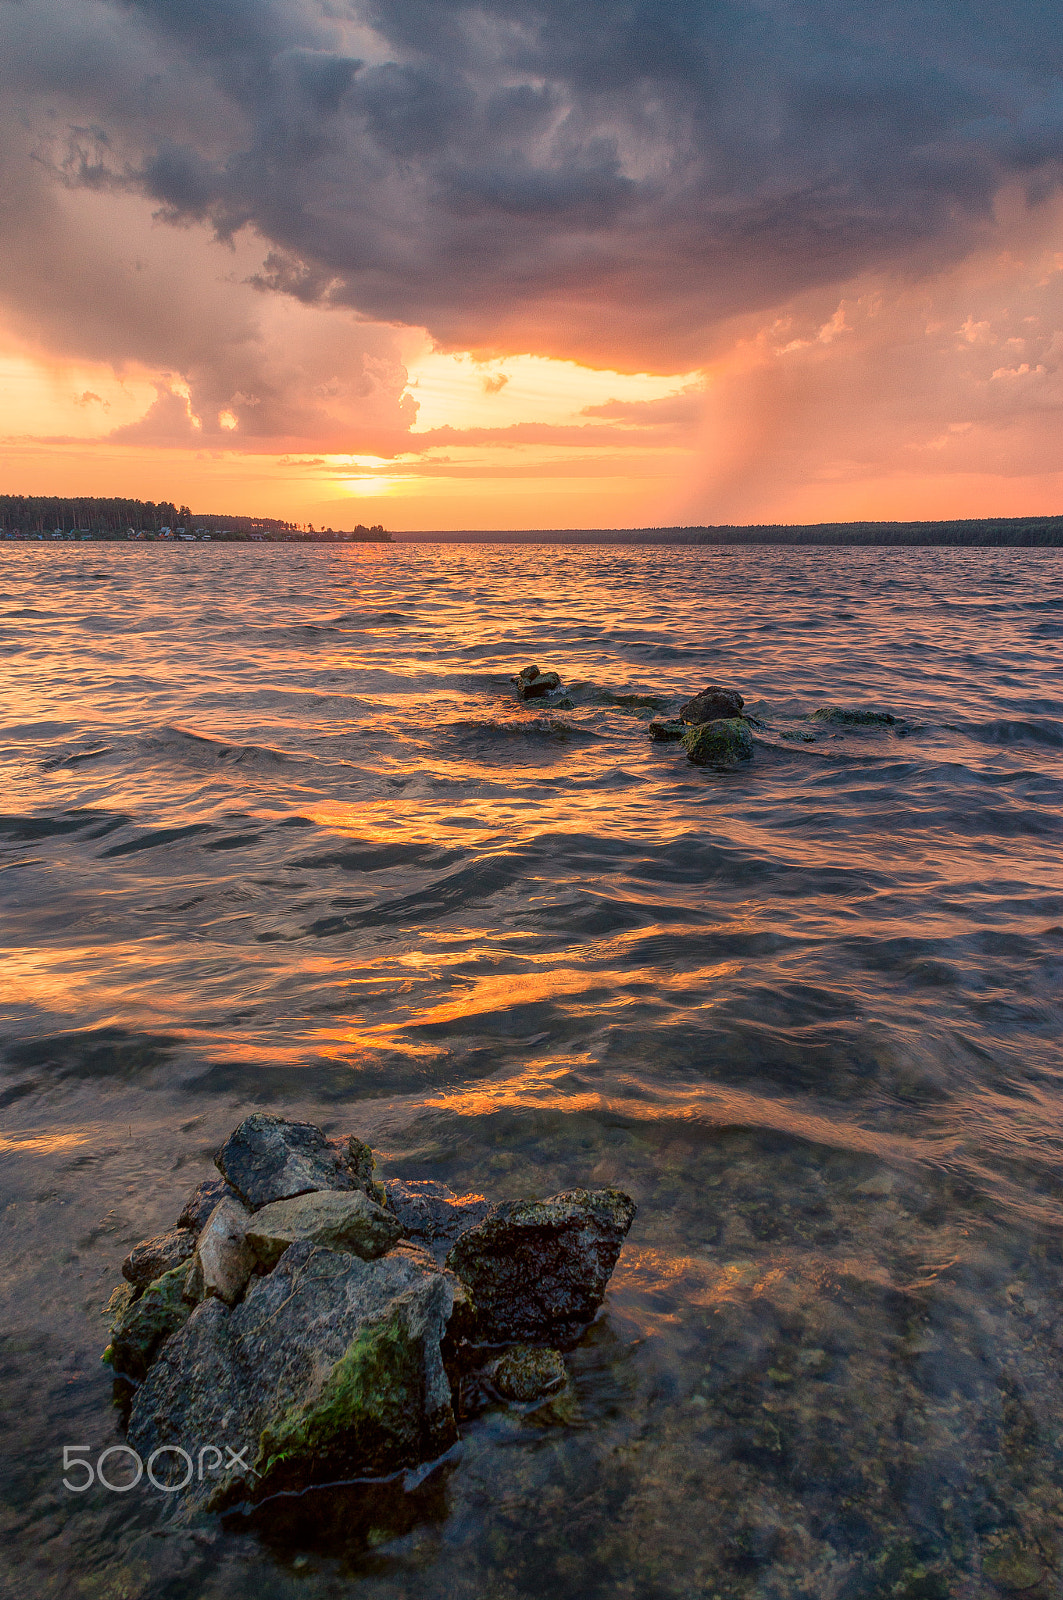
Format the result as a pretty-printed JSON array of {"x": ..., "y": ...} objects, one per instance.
[
  {"x": 711, "y": 728},
  {"x": 304, "y": 1323}
]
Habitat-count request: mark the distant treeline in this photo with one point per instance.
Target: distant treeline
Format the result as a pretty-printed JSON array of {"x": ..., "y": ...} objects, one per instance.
[
  {"x": 42, "y": 513},
  {"x": 113, "y": 518},
  {"x": 1026, "y": 531},
  {"x": 1043, "y": 532}
]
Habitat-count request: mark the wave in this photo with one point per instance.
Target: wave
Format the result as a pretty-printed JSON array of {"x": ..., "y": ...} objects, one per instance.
[
  {"x": 24, "y": 828},
  {"x": 483, "y": 734},
  {"x": 154, "y": 838},
  {"x": 472, "y": 885},
  {"x": 76, "y": 758},
  {"x": 355, "y": 856},
  {"x": 1016, "y": 730},
  {"x": 206, "y": 750},
  {"x": 595, "y": 694}
]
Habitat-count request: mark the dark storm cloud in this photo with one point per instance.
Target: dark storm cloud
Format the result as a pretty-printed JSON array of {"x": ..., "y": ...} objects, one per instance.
[{"x": 582, "y": 180}]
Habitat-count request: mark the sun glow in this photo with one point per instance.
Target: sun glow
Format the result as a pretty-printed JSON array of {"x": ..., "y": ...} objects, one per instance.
[
  {"x": 459, "y": 391},
  {"x": 361, "y": 487}
]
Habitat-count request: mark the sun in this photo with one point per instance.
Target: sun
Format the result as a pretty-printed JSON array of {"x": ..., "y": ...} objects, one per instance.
[{"x": 361, "y": 487}]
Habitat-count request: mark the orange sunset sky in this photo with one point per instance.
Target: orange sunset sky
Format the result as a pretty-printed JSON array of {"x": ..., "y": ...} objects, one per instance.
[{"x": 446, "y": 267}]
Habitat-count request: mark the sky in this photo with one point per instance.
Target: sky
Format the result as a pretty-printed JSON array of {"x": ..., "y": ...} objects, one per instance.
[{"x": 631, "y": 263}]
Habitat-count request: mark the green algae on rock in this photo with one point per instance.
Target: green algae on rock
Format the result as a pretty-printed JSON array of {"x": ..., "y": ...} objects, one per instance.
[
  {"x": 1013, "y": 1566},
  {"x": 335, "y": 1220},
  {"x": 361, "y": 1164},
  {"x": 146, "y": 1324},
  {"x": 528, "y": 1373},
  {"x": 668, "y": 732},
  {"x": 331, "y": 1365},
  {"x": 370, "y": 1415},
  {"x": 121, "y": 1299},
  {"x": 720, "y": 743}
]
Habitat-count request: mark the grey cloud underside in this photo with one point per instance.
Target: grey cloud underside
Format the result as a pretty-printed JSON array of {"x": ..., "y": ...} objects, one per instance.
[{"x": 571, "y": 177}]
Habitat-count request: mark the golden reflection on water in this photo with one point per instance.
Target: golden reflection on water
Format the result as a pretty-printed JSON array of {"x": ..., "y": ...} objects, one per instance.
[
  {"x": 497, "y": 994},
  {"x": 42, "y": 1144}
]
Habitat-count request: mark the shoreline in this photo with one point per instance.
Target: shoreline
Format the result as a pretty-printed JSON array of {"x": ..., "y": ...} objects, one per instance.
[{"x": 1037, "y": 533}]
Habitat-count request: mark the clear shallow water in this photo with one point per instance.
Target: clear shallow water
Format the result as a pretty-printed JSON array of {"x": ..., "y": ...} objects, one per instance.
[{"x": 276, "y": 835}]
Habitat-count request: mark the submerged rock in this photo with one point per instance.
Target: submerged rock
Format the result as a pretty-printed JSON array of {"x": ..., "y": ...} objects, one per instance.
[
  {"x": 269, "y": 1159},
  {"x": 224, "y": 1260},
  {"x": 152, "y": 1257},
  {"x": 721, "y": 743},
  {"x": 854, "y": 717},
  {"x": 146, "y": 1324},
  {"x": 433, "y": 1214},
  {"x": 526, "y": 1373},
  {"x": 1013, "y": 1565},
  {"x": 331, "y": 1368},
  {"x": 664, "y": 732},
  {"x": 349, "y": 1222},
  {"x": 711, "y": 704},
  {"x": 538, "y": 1269},
  {"x": 201, "y": 1203}
]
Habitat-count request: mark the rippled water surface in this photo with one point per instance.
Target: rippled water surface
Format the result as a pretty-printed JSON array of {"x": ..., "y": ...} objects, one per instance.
[{"x": 277, "y": 835}]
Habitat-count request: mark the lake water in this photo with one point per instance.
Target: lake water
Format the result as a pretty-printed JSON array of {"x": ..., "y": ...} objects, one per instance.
[{"x": 277, "y": 836}]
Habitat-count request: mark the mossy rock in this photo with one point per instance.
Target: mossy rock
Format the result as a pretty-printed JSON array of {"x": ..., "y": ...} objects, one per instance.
[
  {"x": 1012, "y": 1567},
  {"x": 361, "y": 1163},
  {"x": 904, "y": 1571},
  {"x": 122, "y": 1298},
  {"x": 145, "y": 1325},
  {"x": 720, "y": 744},
  {"x": 367, "y": 1413},
  {"x": 854, "y": 717},
  {"x": 330, "y": 1369},
  {"x": 527, "y": 1373}
]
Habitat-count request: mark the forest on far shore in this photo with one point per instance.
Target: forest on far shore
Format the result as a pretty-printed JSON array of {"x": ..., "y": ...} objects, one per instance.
[
  {"x": 112, "y": 517},
  {"x": 987, "y": 532},
  {"x": 1029, "y": 531}
]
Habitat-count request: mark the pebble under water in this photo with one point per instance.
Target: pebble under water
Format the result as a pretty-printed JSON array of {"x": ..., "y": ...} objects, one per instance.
[{"x": 278, "y": 836}]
